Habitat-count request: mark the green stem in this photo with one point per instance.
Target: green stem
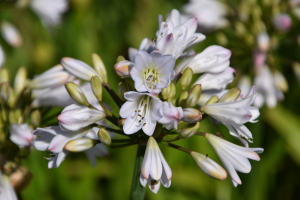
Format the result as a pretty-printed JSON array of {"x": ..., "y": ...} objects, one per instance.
[{"x": 137, "y": 190}]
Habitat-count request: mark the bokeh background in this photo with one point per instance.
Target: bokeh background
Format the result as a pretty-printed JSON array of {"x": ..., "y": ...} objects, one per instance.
[{"x": 109, "y": 28}]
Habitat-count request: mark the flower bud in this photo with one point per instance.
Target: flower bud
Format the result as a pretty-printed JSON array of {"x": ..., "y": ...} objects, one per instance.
[
  {"x": 11, "y": 34},
  {"x": 263, "y": 42},
  {"x": 76, "y": 93},
  {"x": 186, "y": 78},
  {"x": 212, "y": 100},
  {"x": 20, "y": 178},
  {"x": 194, "y": 96},
  {"x": 4, "y": 75},
  {"x": 182, "y": 98},
  {"x": 12, "y": 98},
  {"x": 104, "y": 137},
  {"x": 96, "y": 87},
  {"x": 120, "y": 58},
  {"x": 80, "y": 144},
  {"x": 231, "y": 95},
  {"x": 78, "y": 68},
  {"x": 189, "y": 130},
  {"x": 36, "y": 118},
  {"x": 280, "y": 81},
  {"x": 121, "y": 122},
  {"x": 191, "y": 115},
  {"x": 123, "y": 87},
  {"x": 166, "y": 91},
  {"x": 4, "y": 91},
  {"x": 282, "y": 22},
  {"x": 99, "y": 67},
  {"x": 20, "y": 80},
  {"x": 172, "y": 92},
  {"x": 209, "y": 167}
]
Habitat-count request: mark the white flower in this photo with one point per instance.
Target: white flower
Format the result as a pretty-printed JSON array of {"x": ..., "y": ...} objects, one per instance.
[
  {"x": 21, "y": 135},
  {"x": 173, "y": 37},
  {"x": 282, "y": 22},
  {"x": 244, "y": 85},
  {"x": 214, "y": 59},
  {"x": 75, "y": 117},
  {"x": 54, "y": 77},
  {"x": 78, "y": 68},
  {"x": 209, "y": 13},
  {"x": 2, "y": 56},
  {"x": 234, "y": 157},
  {"x": 152, "y": 72},
  {"x": 142, "y": 110},
  {"x": 263, "y": 42},
  {"x": 11, "y": 34},
  {"x": 234, "y": 114},
  {"x": 50, "y": 12},
  {"x": 259, "y": 58},
  {"x": 171, "y": 116},
  {"x": 146, "y": 45},
  {"x": 7, "y": 191},
  {"x": 218, "y": 81},
  {"x": 155, "y": 168}
]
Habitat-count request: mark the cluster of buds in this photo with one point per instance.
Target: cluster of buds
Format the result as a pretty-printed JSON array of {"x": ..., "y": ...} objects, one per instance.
[{"x": 161, "y": 107}]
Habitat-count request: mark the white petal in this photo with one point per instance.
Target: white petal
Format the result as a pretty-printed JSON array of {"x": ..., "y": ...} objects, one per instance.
[
  {"x": 156, "y": 164},
  {"x": 128, "y": 109},
  {"x": 142, "y": 60}
]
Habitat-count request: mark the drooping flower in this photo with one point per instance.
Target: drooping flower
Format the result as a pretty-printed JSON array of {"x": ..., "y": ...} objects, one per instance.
[
  {"x": 21, "y": 134},
  {"x": 152, "y": 72},
  {"x": 234, "y": 157},
  {"x": 171, "y": 116},
  {"x": 155, "y": 169},
  {"x": 50, "y": 12},
  {"x": 75, "y": 117},
  {"x": 234, "y": 114},
  {"x": 173, "y": 36},
  {"x": 142, "y": 111},
  {"x": 11, "y": 34}
]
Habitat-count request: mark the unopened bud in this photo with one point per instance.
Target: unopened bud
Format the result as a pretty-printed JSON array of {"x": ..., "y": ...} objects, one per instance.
[
  {"x": 172, "y": 92},
  {"x": 191, "y": 115},
  {"x": 20, "y": 80},
  {"x": 120, "y": 58},
  {"x": 189, "y": 130},
  {"x": 96, "y": 87},
  {"x": 123, "y": 87},
  {"x": 231, "y": 95},
  {"x": 121, "y": 122},
  {"x": 222, "y": 39},
  {"x": 186, "y": 78},
  {"x": 166, "y": 91},
  {"x": 123, "y": 68},
  {"x": 12, "y": 98},
  {"x": 76, "y": 93},
  {"x": 194, "y": 96},
  {"x": 240, "y": 28},
  {"x": 212, "y": 100},
  {"x": 4, "y": 91},
  {"x": 263, "y": 42},
  {"x": 99, "y": 67},
  {"x": 104, "y": 137},
  {"x": 4, "y": 75},
  {"x": 36, "y": 118},
  {"x": 182, "y": 98},
  {"x": 20, "y": 178},
  {"x": 209, "y": 167},
  {"x": 80, "y": 144},
  {"x": 280, "y": 81}
]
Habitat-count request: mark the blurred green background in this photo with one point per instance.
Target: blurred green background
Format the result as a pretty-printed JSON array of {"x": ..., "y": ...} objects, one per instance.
[{"x": 109, "y": 28}]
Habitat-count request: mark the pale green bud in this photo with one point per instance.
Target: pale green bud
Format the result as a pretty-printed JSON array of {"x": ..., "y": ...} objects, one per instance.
[
  {"x": 20, "y": 80},
  {"x": 182, "y": 98},
  {"x": 76, "y": 93},
  {"x": 96, "y": 87},
  {"x": 166, "y": 91},
  {"x": 172, "y": 92},
  {"x": 35, "y": 118},
  {"x": 194, "y": 96},
  {"x": 99, "y": 66},
  {"x": 240, "y": 28},
  {"x": 231, "y": 95},
  {"x": 12, "y": 117},
  {"x": 121, "y": 122},
  {"x": 173, "y": 101},
  {"x": 120, "y": 58},
  {"x": 4, "y": 75},
  {"x": 212, "y": 100},
  {"x": 186, "y": 78},
  {"x": 222, "y": 39},
  {"x": 104, "y": 137},
  {"x": 80, "y": 144},
  {"x": 191, "y": 115},
  {"x": 123, "y": 87},
  {"x": 4, "y": 91},
  {"x": 12, "y": 98},
  {"x": 189, "y": 130}
]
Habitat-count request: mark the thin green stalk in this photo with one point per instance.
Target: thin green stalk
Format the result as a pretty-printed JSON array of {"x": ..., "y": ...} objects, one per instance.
[{"x": 137, "y": 190}]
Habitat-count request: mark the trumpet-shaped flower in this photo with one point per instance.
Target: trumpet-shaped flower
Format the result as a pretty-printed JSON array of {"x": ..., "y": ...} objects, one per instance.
[
  {"x": 155, "y": 169},
  {"x": 173, "y": 36},
  {"x": 21, "y": 134},
  {"x": 75, "y": 117},
  {"x": 171, "y": 116},
  {"x": 142, "y": 110},
  {"x": 235, "y": 114},
  {"x": 152, "y": 72},
  {"x": 234, "y": 157},
  {"x": 214, "y": 59}
]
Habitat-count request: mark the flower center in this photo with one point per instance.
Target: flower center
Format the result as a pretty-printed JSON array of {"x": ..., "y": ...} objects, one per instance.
[
  {"x": 143, "y": 110},
  {"x": 151, "y": 79}
]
